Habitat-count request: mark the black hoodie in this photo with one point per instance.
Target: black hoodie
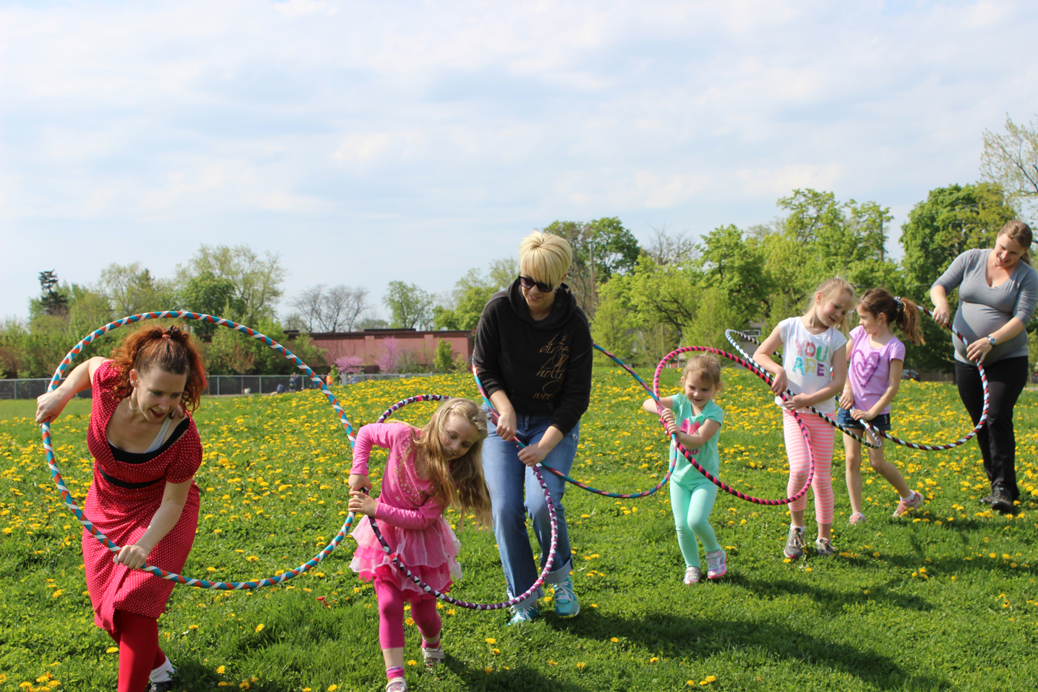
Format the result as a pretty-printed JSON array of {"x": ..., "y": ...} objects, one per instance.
[{"x": 543, "y": 366}]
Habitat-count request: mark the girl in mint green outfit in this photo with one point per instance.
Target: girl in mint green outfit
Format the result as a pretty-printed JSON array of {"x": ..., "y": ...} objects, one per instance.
[{"x": 695, "y": 420}]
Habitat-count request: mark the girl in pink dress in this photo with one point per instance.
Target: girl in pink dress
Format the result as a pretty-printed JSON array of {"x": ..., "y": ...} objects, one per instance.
[
  {"x": 429, "y": 470},
  {"x": 146, "y": 450}
]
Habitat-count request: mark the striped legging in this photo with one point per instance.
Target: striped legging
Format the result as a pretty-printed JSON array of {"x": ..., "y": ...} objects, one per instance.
[{"x": 822, "y": 436}]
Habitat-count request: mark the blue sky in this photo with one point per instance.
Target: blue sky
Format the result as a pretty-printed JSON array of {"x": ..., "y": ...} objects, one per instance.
[{"x": 373, "y": 141}]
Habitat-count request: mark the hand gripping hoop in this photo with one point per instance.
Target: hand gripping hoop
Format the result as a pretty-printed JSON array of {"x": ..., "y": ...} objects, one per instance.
[{"x": 70, "y": 502}]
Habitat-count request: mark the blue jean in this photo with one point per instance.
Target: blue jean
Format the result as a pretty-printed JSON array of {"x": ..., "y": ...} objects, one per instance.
[{"x": 515, "y": 492}]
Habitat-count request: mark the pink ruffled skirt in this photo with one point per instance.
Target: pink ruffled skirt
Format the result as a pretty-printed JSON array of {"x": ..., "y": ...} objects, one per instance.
[{"x": 430, "y": 553}]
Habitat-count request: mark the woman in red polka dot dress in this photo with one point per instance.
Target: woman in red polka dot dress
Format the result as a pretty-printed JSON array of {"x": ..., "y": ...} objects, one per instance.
[{"x": 146, "y": 450}]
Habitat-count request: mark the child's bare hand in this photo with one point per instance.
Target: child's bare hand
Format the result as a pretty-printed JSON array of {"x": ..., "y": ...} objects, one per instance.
[
  {"x": 846, "y": 400},
  {"x": 779, "y": 382},
  {"x": 858, "y": 414},
  {"x": 362, "y": 504}
]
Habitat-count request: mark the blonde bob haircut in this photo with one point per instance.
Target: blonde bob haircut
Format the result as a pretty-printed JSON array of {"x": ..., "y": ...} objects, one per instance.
[{"x": 545, "y": 257}]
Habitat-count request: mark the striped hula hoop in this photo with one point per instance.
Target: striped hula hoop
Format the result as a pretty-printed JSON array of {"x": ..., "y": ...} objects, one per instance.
[{"x": 88, "y": 525}]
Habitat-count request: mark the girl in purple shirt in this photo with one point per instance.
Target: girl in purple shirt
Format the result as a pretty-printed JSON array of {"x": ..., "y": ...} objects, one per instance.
[{"x": 875, "y": 358}]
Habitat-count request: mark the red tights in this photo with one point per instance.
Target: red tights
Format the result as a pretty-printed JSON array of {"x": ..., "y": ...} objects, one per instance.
[
  {"x": 139, "y": 652},
  {"x": 391, "y": 615}
]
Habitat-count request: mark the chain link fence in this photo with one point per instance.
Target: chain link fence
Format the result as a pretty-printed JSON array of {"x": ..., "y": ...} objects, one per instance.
[{"x": 219, "y": 385}]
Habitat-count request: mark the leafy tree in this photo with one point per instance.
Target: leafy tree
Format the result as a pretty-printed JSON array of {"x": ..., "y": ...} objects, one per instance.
[
  {"x": 131, "y": 289},
  {"x": 443, "y": 360},
  {"x": 1011, "y": 160},
  {"x": 470, "y": 296},
  {"x": 735, "y": 265},
  {"x": 255, "y": 281},
  {"x": 53, "y": 298},
  {"x": 952, "y": 220},
  {"x": 409, "y": 306},
  {"x": 210, "y": 295},
  {"x": 601, "y": 249},
  {"x": 614, "y": 326}
]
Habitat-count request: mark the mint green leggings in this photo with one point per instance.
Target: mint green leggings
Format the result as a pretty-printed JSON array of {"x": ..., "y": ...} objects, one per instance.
[{"x": 692, "y": 519}]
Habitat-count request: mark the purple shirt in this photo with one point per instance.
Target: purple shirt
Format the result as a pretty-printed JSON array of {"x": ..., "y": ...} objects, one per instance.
[{"x": 869, "y": 368}]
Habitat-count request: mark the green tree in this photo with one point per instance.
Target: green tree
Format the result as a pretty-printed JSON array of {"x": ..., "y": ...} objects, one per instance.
[
  {"x": 256, "y": 280},
  {"x": 735, "y": 265},
  {"x": 210, "y": 295},
  {"x": 952, "y": 220},
  {"x": 131, "y": 289},
  {"x": 466, "y": 301},
  {"x": 1011, "y": 160},
  {"x": 601, "y": 249},
  {"x": 409, "y": 306},
  {"x": 614, "y": 326}
]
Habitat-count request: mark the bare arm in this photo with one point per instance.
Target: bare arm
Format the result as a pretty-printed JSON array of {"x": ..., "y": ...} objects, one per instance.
[
  {"x": 939, "y": 297},
  {"x": 762, "y": 356},
  {"x": 666, "y": 402},
  {"x": 174, "y": 497},
  {"x": 847, "y": 398},
  {"x": 506, "y": 415},
  {"x": 50, "y": 405}
]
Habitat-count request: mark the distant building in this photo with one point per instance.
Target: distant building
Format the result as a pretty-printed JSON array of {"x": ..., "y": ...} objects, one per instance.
[{"x": 367, "y": 345}]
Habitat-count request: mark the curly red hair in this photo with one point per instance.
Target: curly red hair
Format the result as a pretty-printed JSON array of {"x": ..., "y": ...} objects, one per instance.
[{"x": 170, "y": 350}]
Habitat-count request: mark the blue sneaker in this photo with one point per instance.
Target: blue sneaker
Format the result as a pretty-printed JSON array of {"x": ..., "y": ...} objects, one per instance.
[
  {"x": 525, "y": 615},
  {"x": 566, "y": 603}
]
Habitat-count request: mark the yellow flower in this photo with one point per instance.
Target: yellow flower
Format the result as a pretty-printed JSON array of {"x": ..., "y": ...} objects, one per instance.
[
  {"x": 220, "y": 670},
  {"x": 192, "y": 627},
  {"x": 259, "y": 628},
  {"x": 412, "y": 662},
  {"x": 490, "y": 640},
  {"x": 614, "y": 640},
  {"x": 112, "y": 650},
  {"x": 332, "y": 688},
  {"x": 580, "y": 666}
]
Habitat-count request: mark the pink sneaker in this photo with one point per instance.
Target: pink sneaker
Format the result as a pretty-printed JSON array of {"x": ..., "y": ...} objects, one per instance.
[
  {"x": 915, "y": 501},
  {"x": 857, "y": 518},
  {"x": 693, "y": 575},
  {"x": 716, "y": 564}
]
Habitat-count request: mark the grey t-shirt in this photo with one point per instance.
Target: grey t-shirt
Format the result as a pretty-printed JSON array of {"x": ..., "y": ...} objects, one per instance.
[{"x": 984, "y": 309}]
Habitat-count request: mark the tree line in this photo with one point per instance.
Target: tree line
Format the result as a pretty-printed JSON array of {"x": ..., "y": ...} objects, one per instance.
[{"x": 642, "y": 301}]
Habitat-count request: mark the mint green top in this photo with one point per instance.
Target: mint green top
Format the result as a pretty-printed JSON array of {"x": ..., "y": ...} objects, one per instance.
[{"x": 707, "y": 456}]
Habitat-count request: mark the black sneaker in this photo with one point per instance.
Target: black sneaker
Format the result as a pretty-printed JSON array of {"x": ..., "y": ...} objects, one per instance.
[
  {"x": 986, "y": 500},
  {"x": 1002, "y": 501}
]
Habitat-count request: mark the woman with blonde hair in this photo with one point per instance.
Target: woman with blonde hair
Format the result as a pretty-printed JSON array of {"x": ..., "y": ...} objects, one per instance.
[{"x": 533, "y": 355}]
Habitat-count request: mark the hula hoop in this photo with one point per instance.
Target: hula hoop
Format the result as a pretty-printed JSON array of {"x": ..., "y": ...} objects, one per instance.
[
  {"x": 439, "y": 594},
  {"x": 720, "y": 484},
  {"x": 897, "y": 440},
  {"x": 70, "y": 502},
  {"x": 767, "y": 376},
  {"x": 574, "y": 481}
]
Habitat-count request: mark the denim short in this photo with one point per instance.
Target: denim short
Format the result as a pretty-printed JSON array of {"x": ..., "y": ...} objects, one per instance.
[{"x": 846, "y": 420}]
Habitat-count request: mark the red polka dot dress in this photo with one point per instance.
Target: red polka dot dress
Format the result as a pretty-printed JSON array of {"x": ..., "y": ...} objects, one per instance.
[{"x": 123, "y": 498}]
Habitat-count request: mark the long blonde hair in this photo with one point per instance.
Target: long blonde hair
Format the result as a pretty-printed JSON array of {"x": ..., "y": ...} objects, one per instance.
[
  {"x": 832, "y": 289},
  {"x": 459, "y": 483}
]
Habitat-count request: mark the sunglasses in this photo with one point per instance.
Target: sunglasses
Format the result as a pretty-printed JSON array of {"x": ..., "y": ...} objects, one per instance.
[{"x": 528, "y": 283}]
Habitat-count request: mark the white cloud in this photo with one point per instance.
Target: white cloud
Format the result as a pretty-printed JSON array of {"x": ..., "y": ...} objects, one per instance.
[{"x": 357, "y": 126}]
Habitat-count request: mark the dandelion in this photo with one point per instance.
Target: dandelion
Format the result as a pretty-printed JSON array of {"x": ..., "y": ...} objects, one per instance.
[
  {"x": 259, "y": 628},
  {"x": 490, "y": 640},
  {"x": 112, "y": 650},
  {"x": 220, "y": 670}
]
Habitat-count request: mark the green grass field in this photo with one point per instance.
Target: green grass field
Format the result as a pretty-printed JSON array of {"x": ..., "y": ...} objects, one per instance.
[{"x": 944, "y": 600}]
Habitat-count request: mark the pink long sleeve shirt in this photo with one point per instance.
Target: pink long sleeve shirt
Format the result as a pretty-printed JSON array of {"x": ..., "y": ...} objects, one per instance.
[{"x": 406, "y": 501}]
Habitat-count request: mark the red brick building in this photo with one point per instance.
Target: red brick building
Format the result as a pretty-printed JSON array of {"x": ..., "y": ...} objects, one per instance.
[{"x": 368, "y": 344}]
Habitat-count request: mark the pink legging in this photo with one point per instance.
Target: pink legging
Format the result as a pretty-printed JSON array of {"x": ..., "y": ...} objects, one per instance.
[
  {"x": 822, "y": 435},
  {"x": 139, "y": 652},
  {"x": 391, "y": 614}
]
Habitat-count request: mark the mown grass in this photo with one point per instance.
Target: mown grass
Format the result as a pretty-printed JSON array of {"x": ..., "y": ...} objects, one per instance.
[{"x": 943, "y": 600}]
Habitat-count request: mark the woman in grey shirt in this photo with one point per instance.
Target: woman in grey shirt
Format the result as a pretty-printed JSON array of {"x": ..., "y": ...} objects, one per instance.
[{"x": 997, "y": 297}]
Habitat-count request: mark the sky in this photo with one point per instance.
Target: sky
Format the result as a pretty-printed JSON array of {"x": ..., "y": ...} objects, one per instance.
[{"x": 372, "y": 141}]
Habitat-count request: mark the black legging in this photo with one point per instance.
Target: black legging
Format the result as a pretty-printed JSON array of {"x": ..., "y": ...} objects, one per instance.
[{"x": 1006, "y": 379}]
